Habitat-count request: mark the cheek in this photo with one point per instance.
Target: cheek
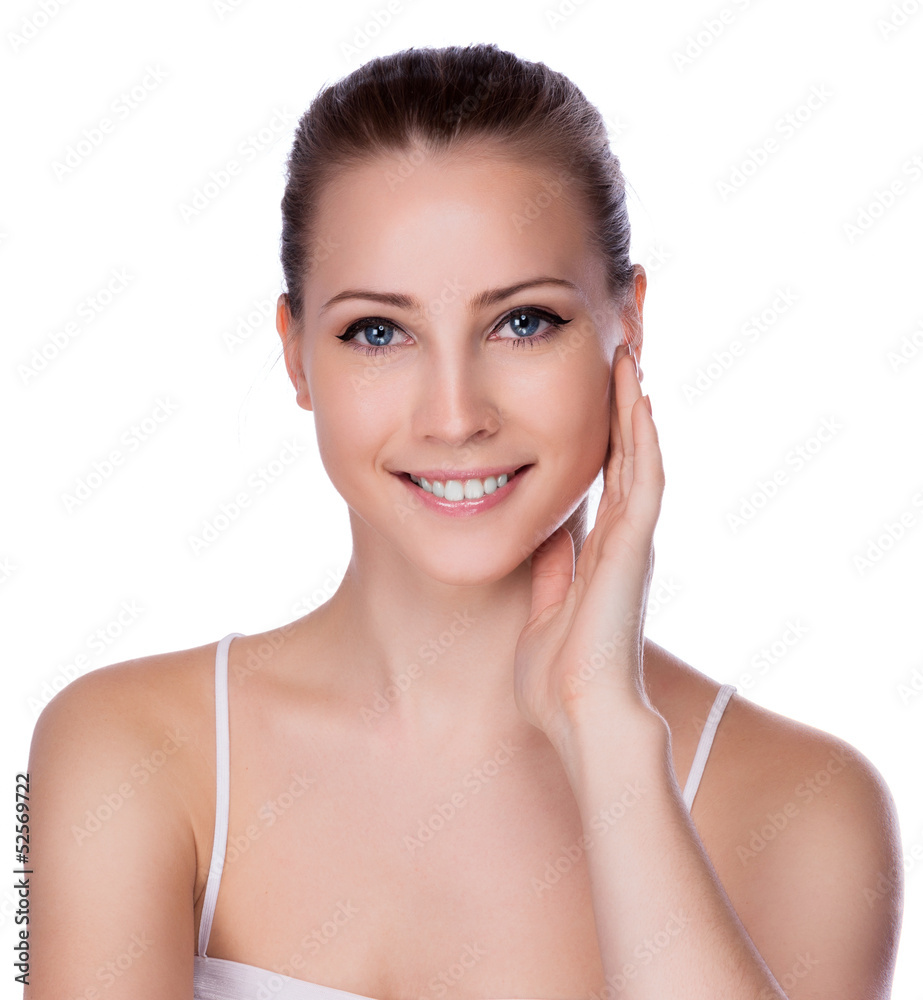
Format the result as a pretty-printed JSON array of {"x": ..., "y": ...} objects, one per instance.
[
  {"x": 356, "y": 412},
  {"x": 580, "y": 401},
  {"x": 344, "y": 397}
]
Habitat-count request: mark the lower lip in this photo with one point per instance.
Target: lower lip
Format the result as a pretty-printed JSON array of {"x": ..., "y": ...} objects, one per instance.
[{"x": 463, "y": 508}]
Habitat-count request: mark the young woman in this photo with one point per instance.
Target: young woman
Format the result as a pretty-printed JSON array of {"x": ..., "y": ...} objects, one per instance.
[{"x": 469, "y": 774}]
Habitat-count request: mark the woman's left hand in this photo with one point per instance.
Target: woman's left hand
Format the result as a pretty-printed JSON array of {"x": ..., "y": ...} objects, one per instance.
[{"x": 581, "y": 649}]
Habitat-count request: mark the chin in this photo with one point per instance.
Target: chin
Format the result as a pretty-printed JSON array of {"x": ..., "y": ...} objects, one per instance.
[{"x": 466, "y": 565}]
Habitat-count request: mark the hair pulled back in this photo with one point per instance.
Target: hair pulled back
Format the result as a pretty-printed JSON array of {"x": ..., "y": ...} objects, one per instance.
[{"x": 445, "y": 99}]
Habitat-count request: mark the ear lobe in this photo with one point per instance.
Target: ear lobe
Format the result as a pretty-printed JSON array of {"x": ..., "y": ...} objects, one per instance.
[
  {"x": 303, "y": 394},
  {"x": 291, "y": 344}
]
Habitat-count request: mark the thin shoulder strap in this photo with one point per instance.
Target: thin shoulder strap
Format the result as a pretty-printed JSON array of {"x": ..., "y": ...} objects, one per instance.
[
  {"x": 705, "y": 741},
  {"x": 223, "y": 790}
]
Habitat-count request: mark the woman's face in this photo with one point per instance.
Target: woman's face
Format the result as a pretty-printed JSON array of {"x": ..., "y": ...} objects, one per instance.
[{"x": 419, "y": 253}]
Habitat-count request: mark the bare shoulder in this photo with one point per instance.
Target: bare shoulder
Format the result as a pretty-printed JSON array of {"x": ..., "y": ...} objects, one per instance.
[
  {"x": 143, "y": 676},
  {"x": 791, "y": 775},
  {"x": 149, "y": 700},
  {"x": 803, "y": 830},
  {"x": 116, "y": 761},
  {"x": 145, "y": 723},
  {"x": 762, "y": 761}
]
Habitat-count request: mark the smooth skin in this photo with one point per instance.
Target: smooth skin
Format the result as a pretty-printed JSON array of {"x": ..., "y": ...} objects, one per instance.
[{"x": 414, "y": 764}]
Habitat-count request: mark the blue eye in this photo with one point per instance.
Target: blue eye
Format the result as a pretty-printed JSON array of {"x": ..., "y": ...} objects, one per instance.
[
  {"x": 525, "y": 322},
  {"x": 374, "y": 329},
  {"x": 380, "y": 332}
]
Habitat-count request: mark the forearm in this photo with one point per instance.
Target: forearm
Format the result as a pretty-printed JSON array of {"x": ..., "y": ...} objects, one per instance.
[{"x": 666, "y": 927}]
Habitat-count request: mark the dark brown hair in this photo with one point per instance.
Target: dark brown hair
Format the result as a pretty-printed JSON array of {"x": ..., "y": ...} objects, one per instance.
[{"x": 447, "y": 99}]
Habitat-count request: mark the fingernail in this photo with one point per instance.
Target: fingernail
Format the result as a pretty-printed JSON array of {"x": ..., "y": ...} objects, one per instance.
[{"x": 647, "y": 402}]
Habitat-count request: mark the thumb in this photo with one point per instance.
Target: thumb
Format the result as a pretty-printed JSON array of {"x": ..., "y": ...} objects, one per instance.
[{"x": 552, "y": 571}]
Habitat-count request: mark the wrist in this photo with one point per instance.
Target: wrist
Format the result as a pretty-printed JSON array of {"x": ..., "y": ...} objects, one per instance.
[{"x": 630, "y": 736}]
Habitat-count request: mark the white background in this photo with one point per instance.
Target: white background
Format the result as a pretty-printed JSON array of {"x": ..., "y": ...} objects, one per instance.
[{"x": 226, "y": 72}]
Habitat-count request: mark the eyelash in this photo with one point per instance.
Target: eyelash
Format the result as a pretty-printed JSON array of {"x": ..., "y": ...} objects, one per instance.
[{"x": 553, "y": 319}]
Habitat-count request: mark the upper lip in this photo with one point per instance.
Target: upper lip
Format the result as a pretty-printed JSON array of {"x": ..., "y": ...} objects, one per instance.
[{"x": 442, "y": 475}]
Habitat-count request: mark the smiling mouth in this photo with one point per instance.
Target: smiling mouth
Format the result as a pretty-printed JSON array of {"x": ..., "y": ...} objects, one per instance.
[{"x": 456, "y": 490}]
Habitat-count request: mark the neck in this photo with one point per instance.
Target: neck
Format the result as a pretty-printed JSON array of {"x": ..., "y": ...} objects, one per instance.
[{"x": 424, "y": 659}]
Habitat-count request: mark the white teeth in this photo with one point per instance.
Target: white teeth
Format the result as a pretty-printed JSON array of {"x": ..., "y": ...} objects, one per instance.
[{"x": 455, "y": 489}]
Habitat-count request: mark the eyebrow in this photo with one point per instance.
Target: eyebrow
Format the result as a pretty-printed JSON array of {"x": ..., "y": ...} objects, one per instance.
[{"x": 487, "y": 298}]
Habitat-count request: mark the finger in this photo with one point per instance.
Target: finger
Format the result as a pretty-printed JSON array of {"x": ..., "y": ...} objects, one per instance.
[
  {"x": 611, "y": 492},
  {"x": 646, "y": 494},
  {"x": 612, "y": 448},
  {"x": 552, "y": 571},
  {"x": 622, "y": 574},
  {"x": 626, "y": 390}
]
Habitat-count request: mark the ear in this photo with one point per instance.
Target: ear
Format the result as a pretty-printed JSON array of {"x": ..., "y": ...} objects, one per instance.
[
  {"x": 290, "y": 334},
  {"x": 632, "y": 315}
]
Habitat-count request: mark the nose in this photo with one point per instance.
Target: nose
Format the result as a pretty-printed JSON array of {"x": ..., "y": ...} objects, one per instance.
[{"x": 456, "y": 399}]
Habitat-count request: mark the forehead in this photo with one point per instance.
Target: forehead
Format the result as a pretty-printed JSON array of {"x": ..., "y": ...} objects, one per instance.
[{"x": 409, "y": 220}]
